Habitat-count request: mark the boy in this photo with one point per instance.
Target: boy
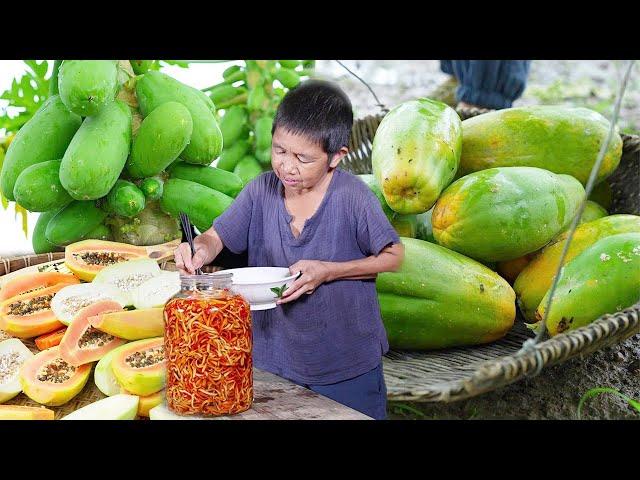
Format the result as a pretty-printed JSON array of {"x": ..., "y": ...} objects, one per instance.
[{"x": 327, "y": 333}]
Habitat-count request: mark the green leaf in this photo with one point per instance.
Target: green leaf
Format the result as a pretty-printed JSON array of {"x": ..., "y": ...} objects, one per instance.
[
  {"x": 26, "y": 95},
  {"x": 597, "y": 391},
  {"x": 279, "y": 290}
]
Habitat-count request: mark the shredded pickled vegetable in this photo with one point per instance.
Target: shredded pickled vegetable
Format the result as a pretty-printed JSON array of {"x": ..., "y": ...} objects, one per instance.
[{"x": 208, "y": 350}]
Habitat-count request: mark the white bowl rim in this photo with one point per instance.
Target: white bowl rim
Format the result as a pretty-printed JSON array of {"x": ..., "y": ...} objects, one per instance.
[{"x": 251, "y": 284}]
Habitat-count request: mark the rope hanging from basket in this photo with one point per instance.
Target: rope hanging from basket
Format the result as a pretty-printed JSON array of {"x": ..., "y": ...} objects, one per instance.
[{"x": 530, "y": 344}]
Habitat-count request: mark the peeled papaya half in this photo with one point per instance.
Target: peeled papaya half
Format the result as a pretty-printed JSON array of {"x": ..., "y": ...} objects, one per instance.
[
  {"x": 87, "y": 257},
  {"x": 31, "y": 314},
  {"x": 127, "y": 276},
  {"x": 34, "y": 281},
  {"x": 140, "y": 366},
  {"x": 72, "y": 298},
  {"x": 131, "y": 324},
  {"x": 13, "y": 353},
  {"x": 103, "y": 376},
  {"x": 83, "y": 343},
  {"x": 48, "y": 379},
  {"x": 156, "y": 291},
  {"x": 20, "y": 412},
  {"x": 117, "y": 407}
]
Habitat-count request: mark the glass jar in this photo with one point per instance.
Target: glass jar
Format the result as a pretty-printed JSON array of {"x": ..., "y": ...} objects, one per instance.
[{"x": 208, "y": 346}]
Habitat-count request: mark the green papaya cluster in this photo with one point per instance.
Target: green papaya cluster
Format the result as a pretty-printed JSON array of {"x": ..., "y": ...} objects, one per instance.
[{"x": 248, "y": 97}]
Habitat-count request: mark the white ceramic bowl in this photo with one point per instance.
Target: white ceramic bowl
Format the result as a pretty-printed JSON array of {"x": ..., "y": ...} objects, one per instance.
[{"x": 255, "y": 284}]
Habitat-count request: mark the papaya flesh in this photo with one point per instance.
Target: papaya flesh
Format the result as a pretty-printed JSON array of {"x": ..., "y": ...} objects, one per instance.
[
  {"x": 415, "y": 155},
  {"x": 503, "y": 213},
  {"x": 147, "y": 402},
  {"x": 440, "y": 298},
  {"x": 564, "y": 140},
  {"x": 21, "y": 412},
  {"x": 604, "y": 278},
  {"x": 30, "y": 315},
  {"x": 49, "y": 380},
  {"x": 34, "y": 281},
  {"x": 13, "y": 353},
  {"x": 131, "y": 324},
  {"x": 87, "y": 257},
  {"x": 140, "y": 366},
  {"x": 536, "y": 278},
  {"x": 83, "y": 343}
]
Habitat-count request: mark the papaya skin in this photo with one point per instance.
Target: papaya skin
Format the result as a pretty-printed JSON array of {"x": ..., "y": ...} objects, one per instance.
[
  {"x": 503, "y": 213},
  {"x": 86, "y": 86},
  {"x": 131, "y": 324},
  {"x": 604, "y": 278},
  {"x": 441, "y": 299},
  {"x": 86, "y": 271},
  {"x": 564, "y": 140},
  {"x": 536, "y": 278},
  {"x": 139, "y": 381}
]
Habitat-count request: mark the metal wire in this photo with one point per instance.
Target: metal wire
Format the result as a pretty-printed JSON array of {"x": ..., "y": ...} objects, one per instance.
[{"x": 378, "y": 102}]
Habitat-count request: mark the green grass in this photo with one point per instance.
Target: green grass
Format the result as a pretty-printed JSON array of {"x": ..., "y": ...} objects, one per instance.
[{"x": 600, "y": 390}]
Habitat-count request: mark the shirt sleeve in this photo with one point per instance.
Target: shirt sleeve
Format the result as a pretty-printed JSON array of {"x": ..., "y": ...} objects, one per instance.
[
  {"x": 233, "y": 224},
  {"x": 374, "y": 231}
]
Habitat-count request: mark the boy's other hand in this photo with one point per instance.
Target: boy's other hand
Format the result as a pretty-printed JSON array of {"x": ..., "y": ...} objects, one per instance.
[{"x": 314, "y": 274}]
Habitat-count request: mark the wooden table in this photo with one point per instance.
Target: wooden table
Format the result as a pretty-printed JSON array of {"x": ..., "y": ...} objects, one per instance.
[{"x": 275, "y": 398}]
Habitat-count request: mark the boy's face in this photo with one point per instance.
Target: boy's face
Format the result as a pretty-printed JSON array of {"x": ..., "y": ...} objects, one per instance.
[{"x": 298, "y": 162}]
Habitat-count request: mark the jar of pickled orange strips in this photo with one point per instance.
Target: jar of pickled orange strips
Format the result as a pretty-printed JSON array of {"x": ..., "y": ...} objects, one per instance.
[{"x": 208, "y": 346}]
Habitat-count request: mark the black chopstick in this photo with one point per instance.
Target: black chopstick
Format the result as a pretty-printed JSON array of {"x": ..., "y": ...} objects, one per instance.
[{"x": 188, "y": 232}]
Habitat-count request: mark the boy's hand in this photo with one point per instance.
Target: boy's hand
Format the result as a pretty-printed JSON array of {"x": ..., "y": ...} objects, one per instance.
[
  {"x": 186, "y": 264},
  {"x": 314, "y": 273}
]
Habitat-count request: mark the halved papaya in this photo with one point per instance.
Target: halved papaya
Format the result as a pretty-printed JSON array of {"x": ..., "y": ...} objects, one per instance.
[
  {"x": 103, "y": 375},
  {"x": 13, "y": 353},
  {"x": 147, "y": 402},
  {"x": 87, "y": 257},
  {"x": 131, "y": 324},
  {"x": 140, "y": 366},
  {"x": 33, "y": 281},
  {"x": 30, "y": 314},
  {"x": 72, "y": 298},
  {"x": 156, "y": 291},
  {"x": 127, "y": 276},
  {"x": 20, "y": 412},
  {"x": 48, "y": 379},
  {"x": 83, "y": 343}
]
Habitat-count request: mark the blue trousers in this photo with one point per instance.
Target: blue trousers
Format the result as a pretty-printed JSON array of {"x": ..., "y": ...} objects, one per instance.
[
  {"x": 366, "y": 393},
  {"x": 488, "y": 83}
]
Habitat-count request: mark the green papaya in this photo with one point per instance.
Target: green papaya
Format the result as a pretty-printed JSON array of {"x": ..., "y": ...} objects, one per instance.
[
  {"x": 156, "y": 88},
  {"x": 231, "y": 72},
  {"x": 232, "y": 155},
  {"x": 536, "y": 278},
  {"x": 162, "y": 136},
  {"x": 38, "y": 188},
  {"x": 247, "y": 169},
  {"x": 405, "y": 225},
  {"x": 262, "y": 131},
  {"x": 101, "y": 232},
  {"x": 87, "y": 86},
  {"x": 142, "y": 66},
  {"x": 602, "y": 195},
  {"x": 44, "y": 137},
  {"x": 226, "y": 182},
  {"x": 257, "y": 99},
  {"x": 98, "y": 153},
  {"x": 604, "y": 278},
  {"x": 38, "y": 239},
  {"x": 73, "y": 222},
  {"x": 440, "y": 298},
  {"x": 224, "y": 92},
  {"x": 287, "y": 77},
  {"x": 292, "y": 64},
  {"x": 152, "y": 188},
  {"x": 503, "y": 213},
  {"x": 371, "y": 182},
  {"x": 202, "y": 204},
  {"x": 415, "y": 154},
  {"x": 424, "y": 229},
  {"x": 592, "y": 211},
  {"x": 561, "y": 139},
  {"x": 125, "y": 199},
  {"x": 232, "y": 124},
  {"x": 264, "y": 156}
]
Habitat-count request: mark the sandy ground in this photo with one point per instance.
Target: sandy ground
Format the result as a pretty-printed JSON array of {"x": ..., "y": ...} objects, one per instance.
[{"x": 555, "y": 393}]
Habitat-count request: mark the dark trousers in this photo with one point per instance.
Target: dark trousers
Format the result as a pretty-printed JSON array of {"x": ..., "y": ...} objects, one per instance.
[
  {"x": 488, "y": 83},
  {"x": 366, "y": 393}
]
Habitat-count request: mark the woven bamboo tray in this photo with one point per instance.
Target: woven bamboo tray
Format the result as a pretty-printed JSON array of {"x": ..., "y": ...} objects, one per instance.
[{"x": 458, "y": 373}]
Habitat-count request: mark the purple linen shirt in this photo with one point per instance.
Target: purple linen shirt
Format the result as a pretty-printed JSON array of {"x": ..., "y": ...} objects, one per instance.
[{"x": 336, "y": 333}]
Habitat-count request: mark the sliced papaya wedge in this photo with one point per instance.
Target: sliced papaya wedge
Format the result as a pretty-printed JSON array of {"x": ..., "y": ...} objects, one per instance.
[
  {"x": 83, "y": 343},
  {"x": 87, "y": 257},
  {"x": 48, "y": 379},
  {"x": 72, "y": 298},
  {"x": 30, "y": 314},
  {"x": 131, "y": 324},
  {"x": 20, "y": 412},
  {"x": 33, "y": 281},
  {"x": 147, "y": 402},
  {"x": 13, "y": 353},
  {"x": 140, "y": 366},
  {"x": 49, "y": 340}
]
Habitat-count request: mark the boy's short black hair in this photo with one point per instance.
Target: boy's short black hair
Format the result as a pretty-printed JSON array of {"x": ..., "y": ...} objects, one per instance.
[{"x": 318, "y": 110}]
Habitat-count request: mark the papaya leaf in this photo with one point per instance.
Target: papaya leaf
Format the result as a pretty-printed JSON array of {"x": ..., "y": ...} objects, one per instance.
[
  {"x": 19, "y": 210},
  {"x": 25, "y": 94},
  {"x": 599, "y": 390}
]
